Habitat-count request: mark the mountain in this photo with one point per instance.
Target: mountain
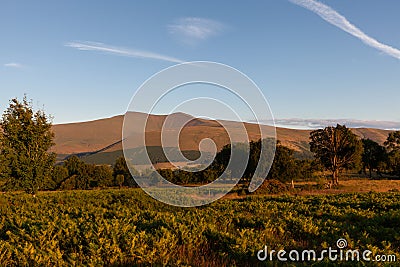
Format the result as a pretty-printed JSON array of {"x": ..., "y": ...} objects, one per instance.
[{"x": 99, "y": 141}]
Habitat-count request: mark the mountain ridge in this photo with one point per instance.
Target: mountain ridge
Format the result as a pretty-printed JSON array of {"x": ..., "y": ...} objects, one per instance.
[{"x": 105, "y": 135}]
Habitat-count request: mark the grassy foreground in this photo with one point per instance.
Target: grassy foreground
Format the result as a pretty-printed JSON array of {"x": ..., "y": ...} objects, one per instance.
[{"x": 126, "y": 227}]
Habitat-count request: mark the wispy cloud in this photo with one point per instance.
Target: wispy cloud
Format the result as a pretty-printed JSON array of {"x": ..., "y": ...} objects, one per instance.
[
  {"x": 333, "y": 17},
  {"x": 94, "y": 46},
  {"x": 192, "y": 29},
  {"x": 297, "y": 123},
  {"x": 14, "y": 65}
]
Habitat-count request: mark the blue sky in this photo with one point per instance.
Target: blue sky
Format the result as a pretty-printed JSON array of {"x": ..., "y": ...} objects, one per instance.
[{"x": 83, "y": 60}]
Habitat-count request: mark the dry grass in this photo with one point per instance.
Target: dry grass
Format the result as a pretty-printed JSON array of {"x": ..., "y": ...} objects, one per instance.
[
  {"x": 371, "y": 185},
  {"x": 353, "y": 186},
  {"x": 358, "y": 185}
]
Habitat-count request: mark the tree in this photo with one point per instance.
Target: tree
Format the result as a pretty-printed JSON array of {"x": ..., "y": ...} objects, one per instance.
[
  {"x": 102, "y": 176},
  {"x": 238, "y": 165},
  {"x": 254, "y": 157},
  {"x": 85, "y": 176},
  {"x": 392, "y": 144},
  {"x": 119, "y": 180},
  {"x": 79, "y": 174},
  {"x": 60, "y": 173},
  {"x": 83, "y": 180},
  {"x": 73, "y": 165},
  {"x": 284, "y": 167},
  {"x": 121, "y": 167},
  {"x": 223, "y": 157},
  {"x": 393, "y": 141},
  {"x": 337, "y": 148},
  {"x": 25, "y": 142},
  {"x": 373, "y": 156}
]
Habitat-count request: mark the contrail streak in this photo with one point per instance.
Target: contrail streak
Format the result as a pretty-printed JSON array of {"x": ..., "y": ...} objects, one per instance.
[
  {"x": 333, "y": 17},
  {"x": 92, "y": 46}
]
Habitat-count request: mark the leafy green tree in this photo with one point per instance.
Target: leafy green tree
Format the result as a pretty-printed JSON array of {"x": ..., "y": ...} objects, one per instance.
[
  {"x": 4, "y": 167},
  {"x": 284, "y": 167},
  {"x": 211, "y": 174},
  {"x": 84, "y": 177},
  {"x": 254, "y": 157},
  {"x": 238, "y": 163},
  {"x": 394, "y": 162},
  {"x": 393, "y": 141},
  {"x": 25, "y": 142},
  {"x": 121, "y": 167},
  {"x": 102, "y": 176},
  {"x": 392, "y": 145},
  {"x": 223, "y": 158},
  {"x": 119, "y": 179},
  {"x": 60, "y": 173},
  {"x": 73, "y": 165},
  {"x": 168, "y": 174},
  {"x": 373, "y": 156},
  {"x": 306, "y": 168},
  {"x": 80, "y": 174},
  {"x": 337, "y": 148}
]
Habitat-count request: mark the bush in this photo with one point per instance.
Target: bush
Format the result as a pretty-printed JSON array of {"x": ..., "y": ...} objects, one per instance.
[{"x": 272, "y": 187}]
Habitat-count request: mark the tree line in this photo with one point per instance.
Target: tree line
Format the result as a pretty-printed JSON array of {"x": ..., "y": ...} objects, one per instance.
[
  {"x": 26, "y": 163},
  {"x": 338, "y": 149}
]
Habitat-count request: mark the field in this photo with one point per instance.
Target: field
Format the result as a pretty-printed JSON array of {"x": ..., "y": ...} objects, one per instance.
[
  {"x": 126, "y": 227},
  {"x": 359, "y": 185}
]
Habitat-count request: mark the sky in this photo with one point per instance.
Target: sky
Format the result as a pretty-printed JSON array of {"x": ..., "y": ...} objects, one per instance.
[{"x": 316, "y": 62}]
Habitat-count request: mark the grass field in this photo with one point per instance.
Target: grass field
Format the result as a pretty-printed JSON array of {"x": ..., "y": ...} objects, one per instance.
[
  {"x": 360, "y": 185},
  {"x": 126, "y": 227}
]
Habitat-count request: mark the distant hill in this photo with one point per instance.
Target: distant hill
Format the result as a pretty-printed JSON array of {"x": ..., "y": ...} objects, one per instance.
[{"x": 99, "y": 141}]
